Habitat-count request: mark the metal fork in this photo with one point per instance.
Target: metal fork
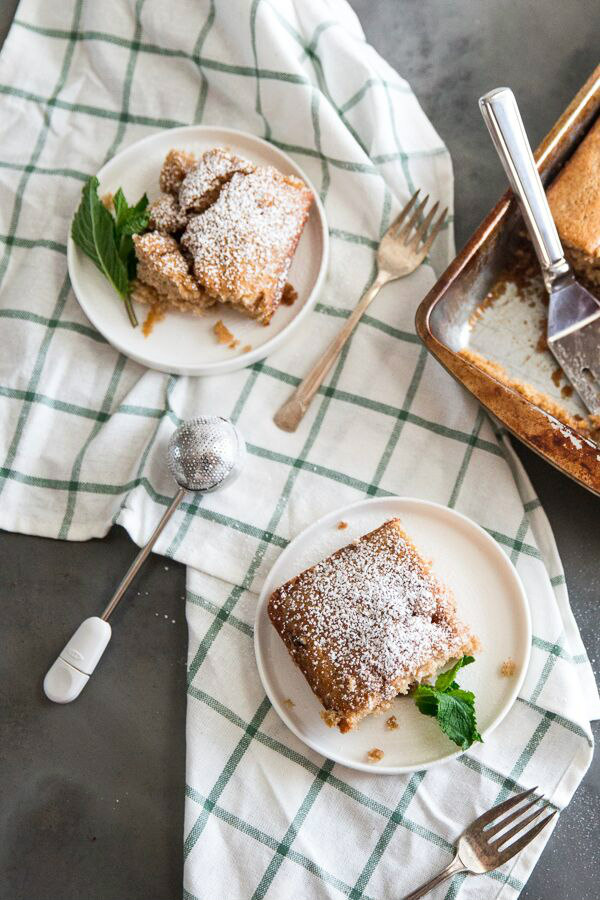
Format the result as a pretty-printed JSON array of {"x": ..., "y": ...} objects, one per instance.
[
  {"x": 477, "y": 853},
  {"x": 402, "y": 249}
]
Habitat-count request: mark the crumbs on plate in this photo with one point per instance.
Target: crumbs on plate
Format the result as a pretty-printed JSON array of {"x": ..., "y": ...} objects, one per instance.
[
  {"x": 508, "y": 668},
  {"x": 391, "y": 723},
  {"x": 342, "y": 525},
  {"x": 375, "y": 755}
]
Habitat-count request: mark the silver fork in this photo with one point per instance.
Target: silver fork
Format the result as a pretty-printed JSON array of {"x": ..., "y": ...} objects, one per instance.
[
  {"x": 402, "y": 249},
  {"x": 477, "y": 853}
]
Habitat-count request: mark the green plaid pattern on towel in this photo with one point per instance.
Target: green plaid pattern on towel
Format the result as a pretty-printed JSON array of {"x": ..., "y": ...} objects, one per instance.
[{"x": 84, "y": 429}]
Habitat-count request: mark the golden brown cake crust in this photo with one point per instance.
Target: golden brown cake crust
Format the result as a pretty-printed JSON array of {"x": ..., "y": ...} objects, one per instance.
[
  {"x": 574, "y": 197},
  {"x": 176, "y": 166},
  {"x": 162, "y": 267},
  {"x": 366, "y": 623}
]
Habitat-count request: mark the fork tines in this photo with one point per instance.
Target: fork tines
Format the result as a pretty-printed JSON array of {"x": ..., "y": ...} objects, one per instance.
[
  {"x": 503, "y": 844},
  {"x": 422, "y": 237}
]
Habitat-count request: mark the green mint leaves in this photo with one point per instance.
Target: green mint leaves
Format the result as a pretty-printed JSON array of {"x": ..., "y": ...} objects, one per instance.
[
  {"x": 453, "y": 708},
  {"x": 107, "y": 240}
]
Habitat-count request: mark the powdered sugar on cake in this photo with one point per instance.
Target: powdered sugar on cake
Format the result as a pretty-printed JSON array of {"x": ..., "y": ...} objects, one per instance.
[
  {"x": 242, "y": 245},
  {"x": 236, "y": 226},
  {"x": 367, "y": 622}
]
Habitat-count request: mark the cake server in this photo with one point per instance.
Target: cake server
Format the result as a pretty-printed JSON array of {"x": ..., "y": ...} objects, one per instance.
[
  {"x": 573, "y": 313},
  {"x": 204, "y": 455}
]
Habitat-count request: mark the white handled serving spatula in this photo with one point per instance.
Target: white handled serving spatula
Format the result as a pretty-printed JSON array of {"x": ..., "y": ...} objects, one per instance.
[{"x": 574, "y": 313}]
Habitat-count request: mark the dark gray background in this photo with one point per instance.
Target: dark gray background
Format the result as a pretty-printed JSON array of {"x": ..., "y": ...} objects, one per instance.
[{"x": 92, "y": 794}]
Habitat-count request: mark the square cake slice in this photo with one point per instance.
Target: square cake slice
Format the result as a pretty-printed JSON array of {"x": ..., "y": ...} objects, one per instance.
[
  {"x": 367, "y": 623},
  {"x": 574, "y": 198},
  {"x": 243, "y": 244}
]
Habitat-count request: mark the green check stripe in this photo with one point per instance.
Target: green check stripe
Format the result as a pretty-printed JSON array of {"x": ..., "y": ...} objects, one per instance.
[
  {"x": 78, "y": 463},
  {"x": 44, "y": 170},
  {"x": 285, "y": 845},
  {"x": 197, "y": 56},
  {"x": 479, "y": 420},
  {"x": 268, "y": 841},
  {"x": 387, "y": 410},
  {"x": 77, "y": 327},
  {"x": 133, "y": 53},
  {"x": 558, "y": 650},
  {"x": 63, "y": 292},
  {"x": 26, "y": 407},
  {"x": 268, "y": 536},
  {"x": 217, "y": 610},
  {"x": 381, "y": 846},
  {"x": 223, "y": 779},
  {"x": 401, "y": 418},
  {"x": 348, "y": 790},
  {"x": 550, "y": 717},
  {"x": 11, "y": 240},
  {"x": 84, "y": 412},
  {"x": 145, "y": 47},
  {"x": 368, "y": 85}
]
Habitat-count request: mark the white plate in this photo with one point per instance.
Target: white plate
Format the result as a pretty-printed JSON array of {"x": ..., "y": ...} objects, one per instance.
[
  {"x": 183, "y": 343},
  {"x": 490, "y": 597}
]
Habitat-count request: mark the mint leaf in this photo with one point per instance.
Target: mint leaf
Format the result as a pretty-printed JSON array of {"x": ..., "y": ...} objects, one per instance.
[
  {"x": 130, "y": 219},
  {"x": 456, "y": 718},
  {"x": 453, "y": 707},
  {"x": 426, "y": 699},
  {"x": 93, "y": 230},
  {"x": 446, "y": 679},
  {"x": 108, "y": 241}
]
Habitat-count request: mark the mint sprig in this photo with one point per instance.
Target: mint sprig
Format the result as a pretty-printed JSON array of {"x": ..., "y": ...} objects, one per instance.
[
  {"x": 453, "y": 707},
  {"x": 107, "y": 240}
]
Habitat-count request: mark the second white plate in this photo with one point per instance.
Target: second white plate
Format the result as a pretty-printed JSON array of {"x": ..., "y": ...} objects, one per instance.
[
  {"x": 183, "y": 343},
  {"x": 490, "y": 598}
]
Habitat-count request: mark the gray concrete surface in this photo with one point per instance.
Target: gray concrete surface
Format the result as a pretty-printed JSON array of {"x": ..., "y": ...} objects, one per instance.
[{"x": 92, "y": 795}]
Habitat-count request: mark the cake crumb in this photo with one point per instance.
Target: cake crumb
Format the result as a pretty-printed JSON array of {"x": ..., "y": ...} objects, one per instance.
[
  {"x": 289, "y": 296},
  {"x": 391, "y": 723},
  {"x": 508, "y": 668},
  {"x": 329, "y": 717},
  {"x": 156, "y": 313},
  {"x": 108, "y": 201},
  {"x": 234, "y": 344},
  {"x": 222, "y": 332},
  {"x": 289, "y": 703},
  {"x": 375, "y": 755},
  {"x": 247, "y": 348},
  {"x": 342, "y": 525}
]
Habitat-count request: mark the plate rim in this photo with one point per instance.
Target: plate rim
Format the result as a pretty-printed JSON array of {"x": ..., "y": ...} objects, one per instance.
[
  {"x": 261, "y": 612},
  {"x": 245, "y": 359}
]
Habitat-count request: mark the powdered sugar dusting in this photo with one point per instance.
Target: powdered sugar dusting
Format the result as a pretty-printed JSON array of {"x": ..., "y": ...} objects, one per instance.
[
  {"x": 368, "y": 617},
  {"x": 242, "y": 245},
  {"x": 201, "y": 186}
]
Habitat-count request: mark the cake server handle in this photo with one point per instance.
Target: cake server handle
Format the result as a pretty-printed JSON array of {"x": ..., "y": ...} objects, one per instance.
[{"x": 503, "y": 119}]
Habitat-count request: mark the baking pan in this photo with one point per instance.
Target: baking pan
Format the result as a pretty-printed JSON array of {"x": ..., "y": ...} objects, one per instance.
[{"x": 485, "y": 305}]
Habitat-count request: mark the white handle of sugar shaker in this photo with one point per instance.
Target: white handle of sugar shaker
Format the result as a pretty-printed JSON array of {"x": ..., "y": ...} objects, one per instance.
[{"x": 70, "y": 672}]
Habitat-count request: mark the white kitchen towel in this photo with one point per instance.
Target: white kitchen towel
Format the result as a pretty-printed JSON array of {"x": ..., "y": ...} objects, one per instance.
[{"x": 84, "y": 430}]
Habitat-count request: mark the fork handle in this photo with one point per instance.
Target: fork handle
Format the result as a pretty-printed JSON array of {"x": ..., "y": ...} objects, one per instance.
[
  {"x": 454, "y": 868},
  {"x": 503, "y": 119},
  {"x": 289, "y": 416}
]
